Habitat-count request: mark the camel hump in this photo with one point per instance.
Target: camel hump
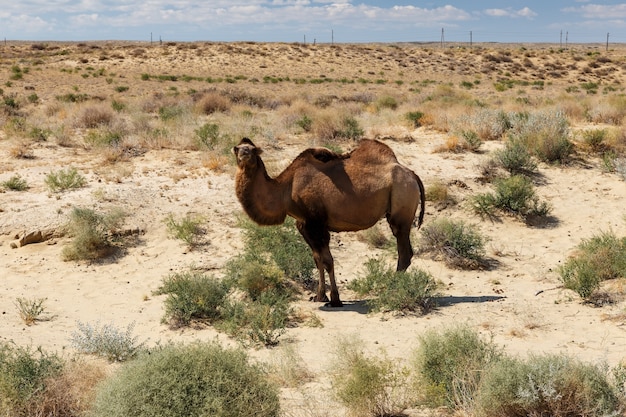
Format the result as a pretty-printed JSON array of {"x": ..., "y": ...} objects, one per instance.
[
  {"x": 321, "y": 154},
  {"x": 373, "y": 152}
]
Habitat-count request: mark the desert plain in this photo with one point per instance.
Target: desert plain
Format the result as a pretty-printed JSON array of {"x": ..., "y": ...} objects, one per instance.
[{"x": 263, "y": 89}]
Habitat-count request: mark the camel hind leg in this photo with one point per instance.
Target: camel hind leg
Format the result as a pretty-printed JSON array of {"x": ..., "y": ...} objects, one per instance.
[
  {"x": 317, "y": 237},
  {"x": 402, "y": 231}
]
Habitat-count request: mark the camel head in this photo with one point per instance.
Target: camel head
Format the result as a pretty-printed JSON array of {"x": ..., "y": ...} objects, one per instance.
[{"x": 247, "y": 153}]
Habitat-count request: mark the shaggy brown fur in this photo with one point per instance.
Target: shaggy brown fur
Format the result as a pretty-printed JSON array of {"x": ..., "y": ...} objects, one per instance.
[{"x": 329, "y": 192}]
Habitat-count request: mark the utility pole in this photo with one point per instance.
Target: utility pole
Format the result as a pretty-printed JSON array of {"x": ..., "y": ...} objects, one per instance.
[
  {"x": 566, "y": 39},
  {"x": 607, "y": 41},
  {"x": 332, "y": 36},
  {"x": 442, "y": 37}
]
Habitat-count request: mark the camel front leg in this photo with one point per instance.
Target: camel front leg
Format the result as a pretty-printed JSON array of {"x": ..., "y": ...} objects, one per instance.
[
  {"x": 329, "y": 263},
  {"x": 321, "y": 286}
]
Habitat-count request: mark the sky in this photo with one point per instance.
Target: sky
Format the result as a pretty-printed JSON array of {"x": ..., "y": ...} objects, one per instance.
[{"x": 324, "y": 21}]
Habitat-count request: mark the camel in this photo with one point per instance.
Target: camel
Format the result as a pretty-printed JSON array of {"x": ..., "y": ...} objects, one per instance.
[{"x": 329, "y": 192}]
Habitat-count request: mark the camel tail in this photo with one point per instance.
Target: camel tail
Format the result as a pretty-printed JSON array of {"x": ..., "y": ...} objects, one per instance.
[{"x": 420, "y": 219}]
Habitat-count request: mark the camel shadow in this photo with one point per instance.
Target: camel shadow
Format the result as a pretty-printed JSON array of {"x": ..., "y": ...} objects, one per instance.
[
  {"x": 358, "y": 306},
  {"x": 451, "y": 300}
]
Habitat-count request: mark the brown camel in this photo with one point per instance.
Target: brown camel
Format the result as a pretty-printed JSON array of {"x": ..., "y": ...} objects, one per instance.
[{"x": 328, "y": 192}]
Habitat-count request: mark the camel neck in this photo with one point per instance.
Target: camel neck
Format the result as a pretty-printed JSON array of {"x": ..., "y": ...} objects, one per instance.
[{"x": 260, "y": 195}]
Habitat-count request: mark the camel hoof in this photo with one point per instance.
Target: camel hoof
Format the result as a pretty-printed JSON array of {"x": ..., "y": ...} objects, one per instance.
[
  {"x": 319, "y": 299},
  {"x": 337, "y": 304}
]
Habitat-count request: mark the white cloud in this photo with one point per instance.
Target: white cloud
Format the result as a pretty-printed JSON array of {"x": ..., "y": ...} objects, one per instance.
[
  {"x": 599, "y": 11},
  {"x": 508, "y": 12}
]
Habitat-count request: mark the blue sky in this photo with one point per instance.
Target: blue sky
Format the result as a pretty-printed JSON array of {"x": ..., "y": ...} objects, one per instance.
[{"x": 552, "y": 21}]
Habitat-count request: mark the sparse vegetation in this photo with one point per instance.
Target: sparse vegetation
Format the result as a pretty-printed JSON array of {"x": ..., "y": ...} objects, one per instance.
[
  {"x": 514, "y": 195},
  {"x": 25, "y": 374},
  {"x": 30, "y": 309},
  {"x": 457, "y": 243},
  {"x": 369, "y": 386},
  {"x": 15, "y": 183},
  {"x": 188, "y": 229},
  {"x": 449, "y": 365},
  {"x": 93, "y": 234},
  {"x": 200, "y": 379},
  {"x": 65, "y": 179},
  {"x": 107, "y": 341},
  {"x": 555, "y": 385},
  {"x": 404, "y": 291},
  {"x": 597, "y": 259}
]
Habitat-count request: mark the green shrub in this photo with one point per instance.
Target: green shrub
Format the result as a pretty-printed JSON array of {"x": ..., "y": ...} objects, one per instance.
[
  {"x": 188, "y": 229},
  {"x": 414, "y": 118},
  {"x": 15, "y": 183},
  {"x": 203, "y": 380},
  {"x": 549, "y": 385},
  {"x": 305, "y": 123},
  {"x": 255, "y": 277},
  {"x": 208, "y": 136},
  {"x": 458, "y": 243},
  {"x": 93, "y": 234},
  {"x": 515, "y": 158},
  {"x": 283, "y": 244},
  {"x": 600, "y": 258},
  {"x": 514, "y": 195},
  {"x": 594, "y": 138},
  {"x": 104, "y": 137},
  {"x": 413, "y": 290},
  {"x": 387, "y": 102},
  {"x": 350, "y": 129},
  {"x": 449, "y": 364},
  {"x": 192, "y": 296},
  {"x": 107, "y": 341},
  {"x": 471, "y": 139},
  {"x": 167, "y": 113},
  {"x": 258, "y": 322},
  {"x": 368, "y": 386},
  {"x": 24, "y": 374},
  {"x": 65, "y": 179},
  {"x": 545, "y": 134}
]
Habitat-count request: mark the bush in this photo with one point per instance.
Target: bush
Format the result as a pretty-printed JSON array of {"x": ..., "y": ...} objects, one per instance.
[
  {"x": 515, "y": 158},
  {"x": 93, "y": 234},
  {"x": 515, "y": 195},
  {"x": 208, "y": 136},
  {"x": 201, "y": 379},
  {"x": 30, "y": 309},
  {"x": 449, "y": 364},
  {"x": 459, "y": 244},
  {"x": 106, "y": 341},
  {"x": 188, "y": 229},
  {"x": 213, "y": 102},
  {"x": 545, "y": 134},
  {"x": 395, "y": 291},
  {"x": 414, "y": 118},
  {"x": 258, "y": 322},
  {"x": 283, "y": 244},
  {"x": 600, "y": 258},
  {"x": 65, "y": 179},
  {"x": 368, "y": 386},
  {"x": 192, "y": 296},
  {"x": 553, "y": 385},
  {"x": 93, "y": 117},
  {"x": 24, "y": 374},
  {"x": 15, "y": 183}
]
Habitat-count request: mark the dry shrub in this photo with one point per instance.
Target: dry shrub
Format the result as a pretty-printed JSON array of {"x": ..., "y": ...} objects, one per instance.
[
  {"x": 21, "y": 150},
  {"x": 212, "y": 102},
  {"x": 453, "y": 144},
  {"x": 95, "y": 116},
  {"x": 72, "y": 392},
  {"x": 215, "y": 161}
]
